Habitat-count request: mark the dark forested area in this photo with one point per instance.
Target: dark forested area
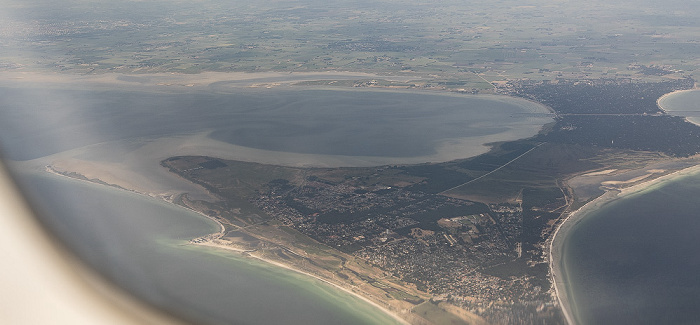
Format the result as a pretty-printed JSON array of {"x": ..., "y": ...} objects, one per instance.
[{"x": 615, "y": 114}]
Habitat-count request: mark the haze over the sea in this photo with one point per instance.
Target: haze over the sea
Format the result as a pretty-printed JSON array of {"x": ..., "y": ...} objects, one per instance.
[
  {"x": 633, "y": 259},
  {"x": 683, "y": 103},
  {"x": 120, "y": 136}
]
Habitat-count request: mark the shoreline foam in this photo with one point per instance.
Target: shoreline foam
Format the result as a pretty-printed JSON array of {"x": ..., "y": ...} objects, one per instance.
[
  {"x": 209, "y": 242},
  {"x": 556, "y": 242}
]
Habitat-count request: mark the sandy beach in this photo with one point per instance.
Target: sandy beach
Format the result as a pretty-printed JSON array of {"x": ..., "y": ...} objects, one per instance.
[
  {"x": 210, "y": 240},
  {"x": 662, "y": 98},
  {"x": 278, "y": 264},
  {"x": 561, "y": 289},
  {"x": 134, "y": 163},
  {"x": 668, "y": 110},
  {"x": 558, "y": 277}
]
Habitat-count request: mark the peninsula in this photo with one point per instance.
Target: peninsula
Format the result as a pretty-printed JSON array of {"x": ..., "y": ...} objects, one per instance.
[
  {"x": 481, "y": 133},
  {"x": 469, "y": 237},
  {"x": 465, "y": 240}
]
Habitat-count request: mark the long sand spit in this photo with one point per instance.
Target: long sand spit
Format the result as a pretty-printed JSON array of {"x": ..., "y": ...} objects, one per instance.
[
  {"x": 561, "y": 287},
  {"x": 135, "y": 164}
]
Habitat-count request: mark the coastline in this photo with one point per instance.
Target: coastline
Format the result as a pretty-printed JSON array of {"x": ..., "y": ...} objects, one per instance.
[
  {"x": 79, "y": 177},
  {"x": 120, "y": 175},
  {"x": 208, "y": 241},
  {"x": 658, "y": 103},
  {"x": 211, "y": 244},
  {"x": 181, "y": 81},
  {"x": 561, "y": 290},
  {"x": 557, "y": 274},
  {"x": 132, "y": 166}
]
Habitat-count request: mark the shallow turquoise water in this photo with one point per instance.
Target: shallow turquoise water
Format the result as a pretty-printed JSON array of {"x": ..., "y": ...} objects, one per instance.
[
  {"x": 135, "y": 240},
  {"x": 138, "y": 243}
]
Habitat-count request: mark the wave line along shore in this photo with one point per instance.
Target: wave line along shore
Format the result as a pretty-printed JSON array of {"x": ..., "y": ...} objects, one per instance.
[
  {"x": 561, "y": 289},
  {"x": 208, "y": 241}
]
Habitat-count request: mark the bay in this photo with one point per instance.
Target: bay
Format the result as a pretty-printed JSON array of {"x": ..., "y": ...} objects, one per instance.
[
  {"x": 138, "y": 242},
  {"x": 39, "y": 122},
  {"x": 683, "y": 103}
]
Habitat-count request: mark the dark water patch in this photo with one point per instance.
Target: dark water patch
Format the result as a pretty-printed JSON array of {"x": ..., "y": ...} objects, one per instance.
[
  {"x": 635, "y": 260},
  {"x": 39, "y": 122},
  {"x": 368, "y": 123}
]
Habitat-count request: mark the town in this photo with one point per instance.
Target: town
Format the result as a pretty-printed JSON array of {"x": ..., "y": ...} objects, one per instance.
[{"x": 471, "y": 232}]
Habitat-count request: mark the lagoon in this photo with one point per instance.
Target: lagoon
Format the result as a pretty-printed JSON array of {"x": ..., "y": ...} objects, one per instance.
[
  {"x": 385, "y": 124},
  {"x": 682, "y": 103}
]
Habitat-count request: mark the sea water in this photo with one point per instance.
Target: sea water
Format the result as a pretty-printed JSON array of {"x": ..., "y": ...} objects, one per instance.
[
  {"x": 683, "y": 103},
  {"x": 38, "y": 122},
  {"x": 140, "y": 243},
  {"x": 636, "y": 260}
]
